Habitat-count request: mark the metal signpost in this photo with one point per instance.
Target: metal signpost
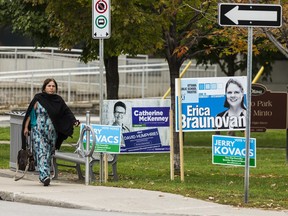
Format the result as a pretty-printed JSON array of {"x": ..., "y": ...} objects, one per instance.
[
  {"x": 87, "y": 149},
  {"x": 249, "y": 15},
  {"x": 101, "y": 29}
]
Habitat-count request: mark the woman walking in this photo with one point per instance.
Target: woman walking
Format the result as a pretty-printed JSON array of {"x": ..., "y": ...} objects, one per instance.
[{"x": 49, "y": 121}]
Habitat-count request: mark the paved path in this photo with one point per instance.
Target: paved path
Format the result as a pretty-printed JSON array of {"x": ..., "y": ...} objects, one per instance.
[{"x": 71, "y": 195}]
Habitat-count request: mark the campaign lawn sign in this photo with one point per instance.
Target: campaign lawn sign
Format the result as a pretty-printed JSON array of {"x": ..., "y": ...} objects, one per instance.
[
  {"x": 150, "y": 116},
  {"x": 230, "y": 150},
  {"x": 204, "y": 104},
  {"x": 108, "y": 138},
  {"x": 144, "y": 124},
  {"x": 142, "y": 141}
]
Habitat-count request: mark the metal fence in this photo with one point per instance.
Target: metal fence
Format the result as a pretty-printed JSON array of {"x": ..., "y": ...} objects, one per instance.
[{"x": 23, "y": 69}]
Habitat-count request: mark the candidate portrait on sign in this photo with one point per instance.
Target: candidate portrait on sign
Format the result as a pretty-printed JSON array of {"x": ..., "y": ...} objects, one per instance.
[
  {"x": 119, "y": 113},
  {"x": 234, "y": 116}
]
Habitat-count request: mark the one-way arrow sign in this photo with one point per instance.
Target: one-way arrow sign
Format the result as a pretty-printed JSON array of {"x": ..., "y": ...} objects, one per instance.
[{"x": 253, "y": 15}]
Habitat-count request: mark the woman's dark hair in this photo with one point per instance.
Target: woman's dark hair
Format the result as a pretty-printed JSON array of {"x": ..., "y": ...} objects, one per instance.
[
  {"x": 45, "y": 83},
  {"x": 119, "y": 103},
  {"x": 233, "y": 81}
]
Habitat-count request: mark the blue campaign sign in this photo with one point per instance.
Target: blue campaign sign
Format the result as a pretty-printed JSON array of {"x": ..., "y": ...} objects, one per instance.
[
  {"x": 212, "y": 103},
  {"x": 139, "y": 117},
  {"x": 150, "y": 116},
  {"x": 229, "y": 150},
  {"x": 143, "y": 141},
  {"x": 108, "y": 138}
]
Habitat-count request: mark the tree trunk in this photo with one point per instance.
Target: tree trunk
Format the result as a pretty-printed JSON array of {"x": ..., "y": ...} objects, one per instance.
[
  {"x": 112, "y": 77},
  {"x": 174, "y": 68},
  {"x": 231, "y": 65}
]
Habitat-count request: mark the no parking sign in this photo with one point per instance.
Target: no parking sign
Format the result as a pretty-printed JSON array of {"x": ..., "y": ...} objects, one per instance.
[{"x": 101, "y": 19}]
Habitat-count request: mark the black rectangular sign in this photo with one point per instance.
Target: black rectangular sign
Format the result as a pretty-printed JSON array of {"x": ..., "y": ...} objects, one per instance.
[{"x": 250, "y": 15}]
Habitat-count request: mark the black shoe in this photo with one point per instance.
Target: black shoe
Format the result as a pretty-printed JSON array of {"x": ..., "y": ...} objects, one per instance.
[{"x": 46, "y": 181}]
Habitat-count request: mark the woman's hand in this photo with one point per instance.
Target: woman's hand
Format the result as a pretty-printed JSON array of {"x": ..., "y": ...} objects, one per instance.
[
  {"x": 77, "y": 123},
  {"x": 26, "y": 131}
]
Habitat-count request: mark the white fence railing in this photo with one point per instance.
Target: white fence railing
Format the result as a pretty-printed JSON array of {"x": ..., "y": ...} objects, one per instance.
[{"x": 22, "y": 72}]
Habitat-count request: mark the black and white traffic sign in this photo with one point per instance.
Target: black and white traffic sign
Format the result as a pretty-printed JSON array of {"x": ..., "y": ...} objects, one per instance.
[
  {"x": 250, "y": 15},
  {"x": 101, "y": 24}
]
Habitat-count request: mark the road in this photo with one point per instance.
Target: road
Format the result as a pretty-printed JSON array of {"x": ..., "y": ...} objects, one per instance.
[{"x": 23, "y": 209}]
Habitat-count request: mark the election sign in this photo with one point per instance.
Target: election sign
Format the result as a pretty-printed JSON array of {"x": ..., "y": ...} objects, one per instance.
[
  {"x": 229, "y": 150},
  {"x": 108, "y": 138},
  {"x": 144, "y": 123},
  {"x": 212, "y": 104},
  {"x": 150, "y": 116},
  {"x": 143, "y": 141}
]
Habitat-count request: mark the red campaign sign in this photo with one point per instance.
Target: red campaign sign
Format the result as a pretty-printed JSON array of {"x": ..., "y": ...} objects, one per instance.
[{"x": 101, "y": 6}]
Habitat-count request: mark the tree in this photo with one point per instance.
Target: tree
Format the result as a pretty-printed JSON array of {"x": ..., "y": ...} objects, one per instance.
[
  {"x": 27, "y": 19},
  {"x": 132, "y": 33},
  {"x": 279, "y": 36},
  {"x": 68, "y": 24},
  {"x": 192, "y": 29},
  {"x": 227, "y": 46},
  {"x": 185, "y": 24}
]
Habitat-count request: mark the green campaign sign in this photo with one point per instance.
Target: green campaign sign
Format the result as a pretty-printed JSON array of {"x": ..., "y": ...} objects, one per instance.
[
  {"x": 108, "y": 138},
  {"x": 228, "y": 150}
]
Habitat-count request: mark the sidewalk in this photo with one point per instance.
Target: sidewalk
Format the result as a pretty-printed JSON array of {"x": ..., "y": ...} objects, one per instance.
[{"x": 72, "y": 195}]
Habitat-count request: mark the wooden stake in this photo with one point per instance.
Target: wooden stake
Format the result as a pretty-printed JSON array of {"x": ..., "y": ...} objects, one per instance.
[
  {"x": 180, "y": 130},
  {"x": 171, "y": 146}
]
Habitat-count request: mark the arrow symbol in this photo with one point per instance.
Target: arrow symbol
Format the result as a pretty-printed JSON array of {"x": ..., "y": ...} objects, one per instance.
[{"x": 236, "y": 15}]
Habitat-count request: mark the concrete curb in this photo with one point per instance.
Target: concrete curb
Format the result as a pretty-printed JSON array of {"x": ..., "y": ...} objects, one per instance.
[{"x": 23, "y": 198}]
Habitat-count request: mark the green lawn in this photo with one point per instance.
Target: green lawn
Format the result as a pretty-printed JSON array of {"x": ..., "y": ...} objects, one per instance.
[
  {"x": 4, "y": 133},
  {"x": 268, "y": 139},
  {"x": 203, "y": 180}
]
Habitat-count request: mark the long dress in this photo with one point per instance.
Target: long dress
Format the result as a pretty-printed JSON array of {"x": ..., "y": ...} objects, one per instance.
[{"x": 43, "y": 139}]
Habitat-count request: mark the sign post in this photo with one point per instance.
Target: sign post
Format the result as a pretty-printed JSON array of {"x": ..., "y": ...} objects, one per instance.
[
  {"x": 101, "y": 29},
  {"x": 249, "y": 15},
  {"x": 248, "y": 116}
]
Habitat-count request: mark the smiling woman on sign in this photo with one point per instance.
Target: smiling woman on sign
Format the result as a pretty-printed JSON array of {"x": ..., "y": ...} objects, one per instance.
[{"x": 235, "y": 115}]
